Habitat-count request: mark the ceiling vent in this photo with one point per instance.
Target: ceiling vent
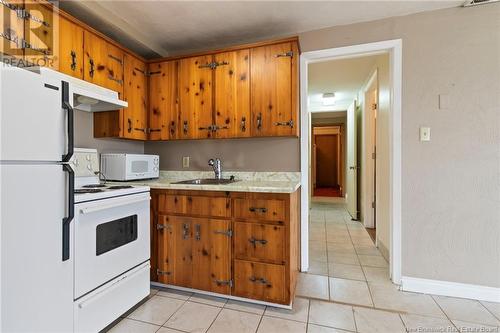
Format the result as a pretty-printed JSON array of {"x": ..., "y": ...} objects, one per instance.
[{"x": 470, "y": 3}]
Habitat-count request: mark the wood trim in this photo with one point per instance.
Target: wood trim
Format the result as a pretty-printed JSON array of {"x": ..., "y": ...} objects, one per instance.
[
  {"x": 230, "y": 48},
  {"x": 326, "y": 130}
]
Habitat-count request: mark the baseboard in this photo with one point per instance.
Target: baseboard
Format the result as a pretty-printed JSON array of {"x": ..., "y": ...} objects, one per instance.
[
  {"x": 383, "y": 250},
  {"x": 453, "y": 289}
]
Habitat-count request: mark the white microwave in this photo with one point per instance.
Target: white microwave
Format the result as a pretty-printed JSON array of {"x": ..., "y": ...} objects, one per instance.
[{"x": 122, "y": 167}]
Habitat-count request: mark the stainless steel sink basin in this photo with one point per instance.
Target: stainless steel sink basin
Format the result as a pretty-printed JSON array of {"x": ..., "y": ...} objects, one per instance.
[{"x": 207, "y": 181}]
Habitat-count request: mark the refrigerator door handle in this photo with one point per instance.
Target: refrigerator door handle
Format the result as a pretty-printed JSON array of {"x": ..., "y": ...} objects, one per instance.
[
  {"x": 67, "y": 106},
  {"x": 71, "y": 212}
]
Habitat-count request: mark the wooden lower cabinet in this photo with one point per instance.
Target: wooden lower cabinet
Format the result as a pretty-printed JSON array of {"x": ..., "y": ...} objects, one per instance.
[{"x": 205, "y": 241}]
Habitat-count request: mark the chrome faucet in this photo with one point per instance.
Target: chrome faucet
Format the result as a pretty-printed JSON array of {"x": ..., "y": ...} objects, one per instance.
[{"x": 216, "y": 165}]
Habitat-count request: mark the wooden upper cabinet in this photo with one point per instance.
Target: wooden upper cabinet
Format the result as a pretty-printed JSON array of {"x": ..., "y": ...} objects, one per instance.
[
  {"x": 103, "y": 62},
  {"x": 232, "y": 94},
  {"x": 274, "y": 101},
  {"x": 135, "y": 93},
  {"x": 70, "y": 48},
  {"x": 12, "y": 28},
  {"x": 40, "y": 30},
  {"x": 195, "y": 97},
  {"x": 164, "y": 101}
]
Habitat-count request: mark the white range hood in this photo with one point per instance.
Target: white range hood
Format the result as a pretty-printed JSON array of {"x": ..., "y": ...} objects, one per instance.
[{"x": 86, "y": 96}]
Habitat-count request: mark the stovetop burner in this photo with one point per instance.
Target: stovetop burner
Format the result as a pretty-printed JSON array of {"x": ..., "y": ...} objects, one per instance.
[
  {"x": 94, "y": 186},
  {"x": 119, "y": 187},
  {"x": 88, "y": 190}
]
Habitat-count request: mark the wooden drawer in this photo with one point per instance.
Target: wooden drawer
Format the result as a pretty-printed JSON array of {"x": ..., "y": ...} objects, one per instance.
[
  {"x": 265, "y": 282},
  {"x": 194, "y": 205},
  {"x": 259, "y": 209},
  {"x": 259, "y": 242}
]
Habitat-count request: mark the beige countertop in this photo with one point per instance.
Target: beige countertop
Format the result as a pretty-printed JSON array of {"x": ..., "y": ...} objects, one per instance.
[{"x": 269, "y": 182}]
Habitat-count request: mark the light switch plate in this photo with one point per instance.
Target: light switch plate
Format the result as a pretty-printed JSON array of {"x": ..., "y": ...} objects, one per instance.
[
  {"x": 425, "y": 134},
  {"x": 185, "y": 162}
]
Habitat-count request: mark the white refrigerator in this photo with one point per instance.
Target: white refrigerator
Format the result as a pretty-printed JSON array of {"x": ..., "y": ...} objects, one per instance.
[{"x": 36, "y": 199}]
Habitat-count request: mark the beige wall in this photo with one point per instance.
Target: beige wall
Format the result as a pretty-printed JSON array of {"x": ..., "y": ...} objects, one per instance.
[
  {"x": 450, "y": 186},
  {"x": 259, "y": 154},
  {"x": 84, "y": 137}
]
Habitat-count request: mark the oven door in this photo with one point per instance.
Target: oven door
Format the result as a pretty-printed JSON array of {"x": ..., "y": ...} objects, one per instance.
[{"x": 111, "y": 237}]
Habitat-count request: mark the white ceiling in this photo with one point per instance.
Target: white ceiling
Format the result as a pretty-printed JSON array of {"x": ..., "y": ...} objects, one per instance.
[
  {"x": 164, "y": 28},
  {"x": 344, "y": 77}
]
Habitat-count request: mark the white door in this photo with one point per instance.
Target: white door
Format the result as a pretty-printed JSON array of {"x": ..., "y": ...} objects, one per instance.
[
  {"x": 352, "y": 162},
  {"x": 36, "y": 284},
  {"x": 32, "y": 120}
]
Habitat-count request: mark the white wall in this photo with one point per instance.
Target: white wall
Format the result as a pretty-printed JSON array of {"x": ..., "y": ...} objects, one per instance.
[{"x": 451, "y": 185}]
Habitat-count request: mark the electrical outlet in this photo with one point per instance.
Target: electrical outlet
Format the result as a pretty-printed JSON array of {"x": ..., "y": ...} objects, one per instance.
[
  {"x": 185, "y": 162},
  {"x": 425, "y": 134}
]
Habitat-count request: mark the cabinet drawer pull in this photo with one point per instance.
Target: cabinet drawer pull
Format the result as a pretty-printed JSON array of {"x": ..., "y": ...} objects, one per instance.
[
  {"x": 73, "y": 60},
  {"x": 286, "y": 54},
  {"x": 255, "y": 241},
  {"x": 258, "y": 209},
  {"x": 112, "y": 78},
  {"x": 284, "y": 123},
  {"x": 185, "y": 231},
  {"x": 120, "y": 61},
  {"x": 154, "y": 130},
  {"x": 140, "y": 129},
  {"x": 197, "y": 232},
  {"x": 259, "y": 280}
]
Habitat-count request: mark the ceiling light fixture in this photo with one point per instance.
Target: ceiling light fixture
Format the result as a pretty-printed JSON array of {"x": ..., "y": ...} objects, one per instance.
[{"x": 328, "y": 98}]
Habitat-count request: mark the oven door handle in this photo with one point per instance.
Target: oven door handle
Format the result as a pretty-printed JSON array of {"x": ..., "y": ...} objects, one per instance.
[{"x": 99, "y": 208}]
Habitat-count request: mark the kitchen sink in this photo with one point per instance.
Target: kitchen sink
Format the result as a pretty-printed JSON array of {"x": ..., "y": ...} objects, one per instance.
[{"x": 208, "y": 181}]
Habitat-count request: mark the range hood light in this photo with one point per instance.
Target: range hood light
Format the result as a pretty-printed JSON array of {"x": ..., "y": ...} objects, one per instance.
[{"x": 87, "y": 100}]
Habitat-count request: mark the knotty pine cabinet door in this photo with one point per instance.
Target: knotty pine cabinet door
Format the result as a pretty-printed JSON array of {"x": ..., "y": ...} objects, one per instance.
[
  {"x": 39, "y": 32},
  {"x": 164, "y": 100},
  {"x": 135, "y": 116},
  {"x": 175, "y": 250},
  {"x": 211, "y": 255},
  {"x": 70, "y": 48},
  {"x": 274, "y": 93},
  {"x": 12, "y": 28},
  {"x": 232, "y": 94},
  {"x": 195, "y": 98},
  {"x": 103, "y": 63}
]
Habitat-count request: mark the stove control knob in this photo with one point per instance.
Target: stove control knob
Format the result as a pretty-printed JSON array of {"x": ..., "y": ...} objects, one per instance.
[
  {"x": 88, "y": 157},
  {"x": 89, "y": 166},
  {"x": 155, "y": 169},
  {"x": 76, "y": 162},
  {"x": 156, "y": 161}
]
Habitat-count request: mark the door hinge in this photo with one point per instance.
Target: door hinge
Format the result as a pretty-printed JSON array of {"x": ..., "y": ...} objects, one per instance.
[
  {"x": 374, "y": 156},
  {"x": 373, "y": 204},
  {"x": 374, "y": 106},
  {"x": 158, "y": 272},
  {"x": 225, "y": 283},
  {"x": 286, "y": 54},
  {"x": 228, "y": 233}
]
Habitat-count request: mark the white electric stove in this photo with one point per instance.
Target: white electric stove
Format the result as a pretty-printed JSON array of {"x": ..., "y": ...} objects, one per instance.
[{"x": 111, "y": 245}]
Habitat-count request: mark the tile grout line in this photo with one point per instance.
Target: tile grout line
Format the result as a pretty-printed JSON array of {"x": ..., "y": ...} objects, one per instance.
[
  {"x": 491, "y": 312},
  {"x": 213, "y": 321},
  {"x": 444, "y": 312},
  {"x": 308, "y": 314},
  {"x": 260, "y": 321}
]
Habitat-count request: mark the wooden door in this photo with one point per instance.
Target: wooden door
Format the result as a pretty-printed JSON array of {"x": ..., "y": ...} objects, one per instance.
[
  {"x": 211, "y": 255},
  {"x": 327, "y": 160},
  {"x": 232, "y": 94},
  {"x": 274, "y": 90},
  {"x": 70, "y": 48},
  {"x": 12, "y": 29},
  {"x": 175, "y": 258},
  {"x": 103, "y": 63},
  {"x": 134, "y": 92},
  {"x": 39, "y": 33},
  {"x": 195, "y": 97},
  {"x": 164, "y": 101}
]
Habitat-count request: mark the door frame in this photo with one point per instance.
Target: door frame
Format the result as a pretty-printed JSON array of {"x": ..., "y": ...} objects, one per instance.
[{"x": 394, "y": 48}]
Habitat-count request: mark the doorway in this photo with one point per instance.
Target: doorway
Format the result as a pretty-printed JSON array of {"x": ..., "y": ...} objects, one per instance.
[
  {"x": 328, "y": 160},
  {"x": 391, "y": 165}
]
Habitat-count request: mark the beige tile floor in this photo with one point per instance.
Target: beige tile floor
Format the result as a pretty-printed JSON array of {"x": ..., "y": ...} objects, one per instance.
[{"x": 349, "y": 292}]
